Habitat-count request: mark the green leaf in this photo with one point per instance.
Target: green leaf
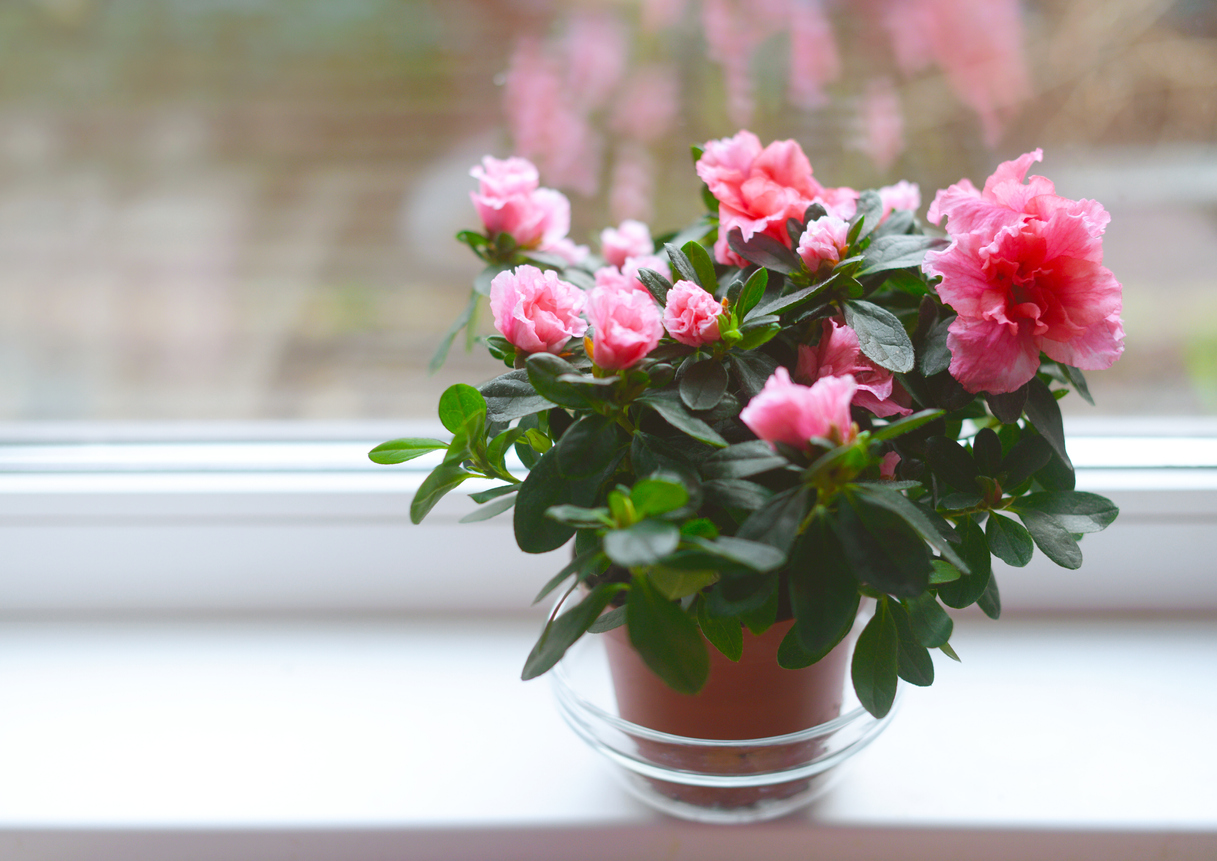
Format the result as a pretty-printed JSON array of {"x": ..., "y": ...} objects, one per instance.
[
  {"x": 944, "y": 572},
  {"x": 725, "y": 634},
  {"x": 703, "y": 385},
  {"x": 741, "y": 551},
  {"x": 561, "y": 633},
  {"x": 666, "y": 638},
  {"x": 896, "y": 252},
  {"x": 779, "y": 304},
  {"x": 758, "y": 331},
  {"x": 483, "y": 496},
  {"x": 543, "y": 488},
  {"x": 935, "y": 355},
  {"x": 882, "y": 549},
  {"x": 677, "y": 583},
  {"x": 764, "y": 250},
  {"x": 881, "y": 335},
  {"x": 986, "y": 451},
  {"x": 401, "y": 450},
  {"x": 445, "y": 342},
  {"x": 587, "y": 446},
  {"x": 591, "y": 562},
  {"x": 1056, "y": 542},
  {"x": 655, "y": 496},
  {"x": 485, "y": 512},
  {"x": 930, "y": 624},
  {"x": 946, "y": 649},
  {"x": 904, "y": 425},
  {"x": 1008, "y": 540},
  {"x": 1028, "y": 456},
  {"x": 1044, "y": 413},
  {"x": 511, "y": 396},
  {"x": 544, "y": 370},
  {"x": 823, "y": 593},
  {"x": 913, "y": 661},
  {"x": 737, "y": 493},
  {"x": 966, "y": 591},
  {"x": 675, "y": 413},
  {"x": 752, "y": 369},
  {"x": 703, "y": 266},
  {"x": 579, "y": 517},
  {"x": 614, "y": 618},
  {"x": 1008, "y": 406},
  {"x": 682, "y": 266},
  {"x": 867, "y": 214},
  {"x": 481, "y": 284},
  {"x": 742, "y": 460},
  {"x": 657, "y": 285},
  {"x": 644, "y": 543},
  {"x": 760, "y": 619},
  {"x": 1078, "y": 380},
  {"x": 777, "y": 522},
  {"x": 459, "y": 404},
  {"x": 1073, "y": 510},
  {"x": 929, "y": 525},
  {"x": 650, "y": 454},
  {"x": 738, "y": 596},
  {"x": 951, "y": 462},
  {"x": 874, "y": 669},
  {"x": 989, "y": 603},
  {"x": 753, "y": 292},
  {"x": 442, "y": 479}
]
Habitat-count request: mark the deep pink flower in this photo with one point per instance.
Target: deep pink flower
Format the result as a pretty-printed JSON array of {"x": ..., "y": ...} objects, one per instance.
[
  {"x": 626, "y": 325},
  {"x": 630, "y": 239},
  {"x": 535, "y": 311},
  {"x": 839, "y": 353},
  {"x": 824, "y": 240},
  {"x": 784, "y": 411},
  {"x": 509, "y": 201},
  {"x": 1025, "y": 273},
  {"x": 691, "y": 315}
]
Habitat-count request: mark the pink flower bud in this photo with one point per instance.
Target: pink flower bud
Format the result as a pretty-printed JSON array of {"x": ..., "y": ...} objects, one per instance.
[
  {"x": 508, "y": 201},
  {"x": 626, "y": 326},
  {"x": 784, "y": 411},
  {"x": 535, "y": 311},
  {"x": 631, "y": 239},
  {"x": 691, "y": 315},
  {"x": 887, "y": 466},
  {"x": 825, "y": 239}
]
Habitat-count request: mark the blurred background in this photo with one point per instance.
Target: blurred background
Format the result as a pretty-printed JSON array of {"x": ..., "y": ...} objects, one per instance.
[{"x": 244, "y": 209}]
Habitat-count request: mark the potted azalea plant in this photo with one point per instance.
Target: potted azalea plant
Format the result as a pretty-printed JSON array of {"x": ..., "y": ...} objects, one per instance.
[{"x": 804, "y": 403}]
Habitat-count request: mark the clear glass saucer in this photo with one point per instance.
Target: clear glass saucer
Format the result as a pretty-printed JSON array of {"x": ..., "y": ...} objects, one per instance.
[{"x": 707, "y": 780}]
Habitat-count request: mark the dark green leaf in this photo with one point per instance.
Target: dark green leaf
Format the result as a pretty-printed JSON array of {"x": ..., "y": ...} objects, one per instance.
[
  {"x": 989, "y": 603},
  {"x": 587, "y": 446},
  {"x": 867, "y": 214},
  {"x": 742, "y": 460},
  {"x": 913, "y": 661},
  {"x": 442, "y": 479},
  {"x": 764, "y": 250},
  {"x": 670, "y": 407},
  {"x": 930, "y": 624},
  {"x": 760, "y": 619},
  {"x": 1074, "y": 511},
  {"x": 644, "y": 543},
  {"x": 928, "y": 524},
  {"x": 543, "y": 488},
  {"x": 725, "y": 634},
  {"x": 951, "y": 462},
  {"x": 986, "y": 451},
  {"x": 881, "y": 335},
  {"x": 882, "y": 549},
  {"x": 562, "y": 632},
  {"x": 666, "y": 638},
  {"x": 823, "y": 592},
  {"x": 875, "y": 667},
  {"x": 741, "y": 551},
  {"x": 656, "y": 284},
  {"x": 777, "y": 522},
  {"x": 737, "y": 493},
  {"x": 1056, "y": 474},
  {"x": 896, "y": 252},
  {"x": 703, "y": 266},
  {"x": 681, "y": 265},
  {"x": 935, "y": 355},
  {"x": 778, "y": 304},
  {"x": 740, "y": 595},
  {"x": 511, "y": 396},
  {"x": 1056, "y": 542},
  {"x": 614, "y": 618},
  {"x": 703, "y": 384},
  {"x": 544, "y": 369},
  {"x": 1008, "y": 406},
  {"x": 1078, "y": 380},
  {"x": 753, "y": 292},
  {"x": 458, "y": 404},
  {"x": 1044, "y": 413},
  {"x": 967, "y": 590},
  {"x": 485, "y": 512},
  {"x": 752, "y": 370},
  {"x": 904, "y": 425},
  {"x": 1008, "y": 540},
  {"x": 586, "y": 564},
  {"x": 493, "y": 493},
  {"x": 401, "y": 450},
  {"x": 758, "y": 331},
  {"x": 1028, "y": 456}
]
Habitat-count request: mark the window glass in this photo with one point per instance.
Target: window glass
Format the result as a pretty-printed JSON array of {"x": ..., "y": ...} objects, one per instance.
[{"x": 244, "y": 209}]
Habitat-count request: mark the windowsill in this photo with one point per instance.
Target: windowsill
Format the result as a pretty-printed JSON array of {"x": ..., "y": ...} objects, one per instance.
[{"x": 376, "y": 738}]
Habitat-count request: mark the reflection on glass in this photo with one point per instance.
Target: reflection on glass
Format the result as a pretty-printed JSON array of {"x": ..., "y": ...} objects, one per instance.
[{"x": 245, "y": 210}]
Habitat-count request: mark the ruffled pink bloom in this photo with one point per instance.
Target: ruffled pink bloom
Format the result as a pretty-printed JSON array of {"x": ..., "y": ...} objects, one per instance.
[
  {"x": 902, "y": 195},
  {"x": 509, "y": 201},
  {"x": 626, "y": 278},
  {"x": 535, "y": 311},
  {"x": 1025, "y": 273},
  {"x": 824, "y": 240},
  {"x": 691, "y": 315},
  {"x": 630, "y": 239},
  {"x": 838, "y": 354},
  {"x": 626, "y": 325},
  {"x": 784, "y": 411}
]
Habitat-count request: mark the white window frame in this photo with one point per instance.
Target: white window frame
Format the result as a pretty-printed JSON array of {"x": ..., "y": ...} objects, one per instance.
[{"x": 293, "y": 518}]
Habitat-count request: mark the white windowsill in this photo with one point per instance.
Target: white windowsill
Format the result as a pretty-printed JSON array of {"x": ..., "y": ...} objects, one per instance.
[{"x": 413, "y": 738}]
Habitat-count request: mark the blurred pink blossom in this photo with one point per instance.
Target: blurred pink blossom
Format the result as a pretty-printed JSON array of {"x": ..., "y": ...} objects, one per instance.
[
  {"x": 646, "y": 108},
  {"x": 1025, "y": 273},
  {"x": 509, "y": 201},
  {"x": 784, "y": 411},
  {"x": 596, "y": 48},
  {"x": 626, "y": 326},
  {"x": 839, "y": 353},
  {"x": 658, "y": 14},
  {"x": 823, "y": 241},
  {"x": 632, "y": 183},
  {"x": 882, "y": 123},
  {"x": 813, "y": 54},
  {"x": 535, "y": 311},
  {"x": 902, "y": 195},
  {"x": 691, "y": 314},
  {"x": 625, "y": 277},
  {"x": 629, "y": 239}
]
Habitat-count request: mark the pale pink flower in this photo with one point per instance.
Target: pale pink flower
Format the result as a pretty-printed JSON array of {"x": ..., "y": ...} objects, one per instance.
[
  {"x": 1025, "y": 273},
  {"x": 902, "y": 195},
  {"x": 784, "y": 411},
  {"x": 630, "y": 239},
  {"x": 824, "y": 240},
  {"x": 596, "y": 48},
  {"x": 838, "y": 354},
  {"x": 535, "y": 311},
  {"x": 626, "y": 278},
  {"x": 633, "y": 181},
  {"x": 882, "y": 123},
  {"x": 567, "y": 250},
  {"x": 887, "y": 466},
  {"x": 691, "y": 315},
  {"x": 509, "y": 201},
  {"x": 647, "y": 106},
  {"x": 626, "y": 327},
  {"x": 813, "y": 54}
]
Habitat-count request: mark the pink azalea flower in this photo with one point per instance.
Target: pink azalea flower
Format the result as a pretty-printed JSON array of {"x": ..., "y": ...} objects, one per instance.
[
  {"x": 691, "y": 315},
  {"x": 630, "y": 239},
  {"x": 1025, "y": 273},
  {"x": 535, "y": 311},
  {"x": 824, "y": 240},
  {"x": 509, "y": 201},
  {"x": 784, "y": 411},
  {"x": 902, "y": 195},
  {"x": 882, "y": 123},
  {"x": 626, "y": 325},
  {"x": 887, "y": 466},
  {"x": 814, "y": 60},
  {"x": 839, "y": 354},
  {"x": 626, "y": 278}
]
